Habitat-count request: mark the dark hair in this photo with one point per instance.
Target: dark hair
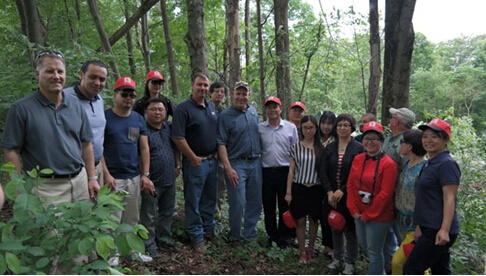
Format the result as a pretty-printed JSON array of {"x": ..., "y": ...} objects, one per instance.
[
  {"x": 414, "y": 138},
  {"x": 328, "y": 116},
  {"x": 199, "y": 75},
  {"x": 154, "y": 100},
  {"x": 318, "y": 148},
  {"x": 346, "y": 117},
  {"x": 216, "y": 85},
  {"x": 98, "y": 63}
]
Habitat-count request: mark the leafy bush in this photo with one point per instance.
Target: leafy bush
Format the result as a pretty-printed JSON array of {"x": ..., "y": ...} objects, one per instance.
[{"x": 40, "y": 237}]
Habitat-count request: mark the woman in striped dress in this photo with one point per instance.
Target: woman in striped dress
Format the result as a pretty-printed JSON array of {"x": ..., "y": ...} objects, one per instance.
[{"x": 304, "y": 191}]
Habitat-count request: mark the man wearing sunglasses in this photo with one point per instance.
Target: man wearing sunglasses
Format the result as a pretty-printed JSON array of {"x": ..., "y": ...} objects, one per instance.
[
  {"x": 49, "y": 130},
  {"x": 126, "y": 139}
]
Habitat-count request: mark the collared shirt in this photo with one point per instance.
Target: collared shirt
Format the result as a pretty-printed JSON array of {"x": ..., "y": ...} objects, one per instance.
[
  {"x": 277, "y": 142},
  {"x": 162, "y": 160},
  {"x": 391, "y": 146},
  {"x": 429, "y": 204},
  {"x": 197, "y": 124},
  {"x": 47, "y": 136},
  {"x": 238, "y": 131},
  {"x": 96, "y": 114}
]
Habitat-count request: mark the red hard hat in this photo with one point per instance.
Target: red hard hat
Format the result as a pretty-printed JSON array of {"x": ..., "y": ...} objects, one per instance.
[{"x": 289, "y": 220}]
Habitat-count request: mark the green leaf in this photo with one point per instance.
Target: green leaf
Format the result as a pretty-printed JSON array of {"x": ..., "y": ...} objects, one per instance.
[
  {"x": 122, "y": 245},
  {"x": 135, "y": 242},
  {"x": 85, "y": 246},
  {"x": 3, "y": 265},
  {"x": 8, "y": 168},
  {"x": 13, "y": 262},
  {"x": 32, "y": 173},
  {"x": 42, "y": 262},
  {"x": 46, "y": 171},
  {"x": 36, "y": 251},
  {"x": 124, "y": 228},
  {"x": 14, "y": 245},
  {"x": 103, "y": 246},
  {"x": 114, "y": 271},
  {"x": 12, "y": 187},
  {"x": 24, "y": 207}
]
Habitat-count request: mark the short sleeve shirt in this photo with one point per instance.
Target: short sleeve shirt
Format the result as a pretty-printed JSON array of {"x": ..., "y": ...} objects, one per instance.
[
  {"x": 276, "y": 143},
  {"x": 47, "y": 137},
  {"x": 162, "y": 162}
]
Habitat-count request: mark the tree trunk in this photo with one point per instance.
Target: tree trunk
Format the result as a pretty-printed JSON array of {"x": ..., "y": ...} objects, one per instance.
[
  {"x": 170, "y": 50},
  {"x": 247, "y": 39},
  {"x": 131, "y": 59},
  {"x": 309, "y": 54},
  {"x": 145, "y": 37},
  {"x": 31, "y": 21},
  {"x": 261, "y": 61},
  {"x": 234, "y": 50},
  {"x": 105, "y": 44},
  {"x": 196, "y": 37},
  {"x": 282, "y": 72},
  {"x": 375, "y": 61},
  {"x": 399, "y": 39}
]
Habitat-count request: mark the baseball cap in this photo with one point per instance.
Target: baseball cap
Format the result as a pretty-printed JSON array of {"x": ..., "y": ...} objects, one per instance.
[
  {"x": 243, "y": 84},
  {"x": 373, "y": 126},
  {"x": 273, "y": 99},
  {"x": 336, "y": 220},
  {"x": 288, "y": 219},
  {"x": 404, "y": 115},
  {"x": 154, "y": 75},
  {"x": 297, "y": 104},
  {"x": 125, "y": 83},
  {"x": 437, "y": 125}
]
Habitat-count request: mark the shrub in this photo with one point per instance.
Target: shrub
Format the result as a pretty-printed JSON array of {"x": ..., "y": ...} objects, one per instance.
[{"x": 40, "y": 237}]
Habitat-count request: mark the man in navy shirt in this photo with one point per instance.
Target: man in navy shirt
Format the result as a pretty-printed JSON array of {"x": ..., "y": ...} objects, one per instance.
[{"x": 194, "y": 133}]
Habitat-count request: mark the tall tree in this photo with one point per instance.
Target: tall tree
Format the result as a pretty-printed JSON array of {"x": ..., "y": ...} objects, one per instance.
[
  {"x": 170, "y": 50},
  {"x": 247, "y": 39},
  {"x": 375, "y": 61},
  {"x": 233, "y": 38},
  {"x": 261, "y": 60},
  {"x": 282, "y": 72},
  {"x": 105, "y": 43},
  {"x": 196, "y": 36},
  {"x": 145, "y": 38},
  {"x": 399, "y": 39},
  {"x": 128, "y": 37},
  {"x": 31, "y": 23}
]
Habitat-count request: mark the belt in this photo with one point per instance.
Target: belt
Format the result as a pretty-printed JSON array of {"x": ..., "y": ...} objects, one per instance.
[
  {"x": 277, "y": 169},
  {"x": 209, "y": 157},
  {"x": 249, "y": 158},
  {"x": 57, "y": 176},
  {"x": 308, "y": 185}
]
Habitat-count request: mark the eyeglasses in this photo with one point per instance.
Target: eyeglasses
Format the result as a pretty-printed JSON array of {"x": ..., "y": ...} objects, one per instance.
[
  {"x": 343, "y": 125},
  {"x": 156, "y": 82},
  {"x": 309, "y": 128},
  {"x": 371, "y": 139},
  {"x": 156, "y": 110},
  {"x": 51, "y": 53},
  {"x": 125, "y": 93}
]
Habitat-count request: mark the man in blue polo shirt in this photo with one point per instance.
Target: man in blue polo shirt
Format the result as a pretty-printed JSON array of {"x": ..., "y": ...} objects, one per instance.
[
  {"x": 239, "y": 149},
  {"x": 93, "y": 78},
  {"x": 194, "y": 133},
  {"x": 49, "y": 130}
]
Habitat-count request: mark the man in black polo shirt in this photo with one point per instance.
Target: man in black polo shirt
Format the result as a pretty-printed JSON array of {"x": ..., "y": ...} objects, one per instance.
[{"x": 194, "y": 133}]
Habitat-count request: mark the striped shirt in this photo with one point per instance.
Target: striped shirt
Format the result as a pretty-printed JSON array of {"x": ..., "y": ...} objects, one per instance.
[{"x": 305, "y": 164}]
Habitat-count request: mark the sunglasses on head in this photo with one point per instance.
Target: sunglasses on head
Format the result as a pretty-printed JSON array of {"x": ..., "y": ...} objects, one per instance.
[{"x": 50, "y": 53}]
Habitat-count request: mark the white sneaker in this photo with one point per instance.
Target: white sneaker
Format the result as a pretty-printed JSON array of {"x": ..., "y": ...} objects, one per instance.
[
  {"x": 348, "y": 269},
  {"x": 137, "y": 256},
  {"x": 335, "y": 265},
  {"x": 114, "y": 261}
]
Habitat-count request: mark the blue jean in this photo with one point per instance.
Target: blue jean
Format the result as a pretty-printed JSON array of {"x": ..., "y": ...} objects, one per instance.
[
  {"x": 200, "y": 189},
  {"x": 371, "y": 237},
  {"x": 391, "y": 246},
  {"x": 156, "y": 214},
  {"x": 426, "y": 254},
  {"x": 351, "y": 246},
  {"x": 245, "y": 199}
]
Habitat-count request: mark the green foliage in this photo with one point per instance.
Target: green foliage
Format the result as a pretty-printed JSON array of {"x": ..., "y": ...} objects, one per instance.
[{"x": 40, "y": 236}]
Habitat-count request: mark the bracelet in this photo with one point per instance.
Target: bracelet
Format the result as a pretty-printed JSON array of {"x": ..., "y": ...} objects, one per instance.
[
  {"x": 93, "y": 178},
  {"x": 178, "y": 167}
]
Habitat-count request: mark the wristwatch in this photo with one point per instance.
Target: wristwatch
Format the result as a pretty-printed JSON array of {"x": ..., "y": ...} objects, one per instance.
[
  {"x": 147, "y": 174},
  {"x": 93, "y": 178}
]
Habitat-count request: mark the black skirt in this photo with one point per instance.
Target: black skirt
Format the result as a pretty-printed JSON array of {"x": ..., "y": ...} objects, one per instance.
[{"x": 306, "y": 201}]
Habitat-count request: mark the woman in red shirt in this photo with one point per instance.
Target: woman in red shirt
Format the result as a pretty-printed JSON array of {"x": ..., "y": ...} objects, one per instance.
[{"x": 370, "y": 189}]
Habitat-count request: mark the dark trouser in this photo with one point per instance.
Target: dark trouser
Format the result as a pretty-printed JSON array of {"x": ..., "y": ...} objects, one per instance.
[
  {"x": 426, "y": 254},
  {"x": 274, "y": 189},
  {"x": 325, "y": 228}
]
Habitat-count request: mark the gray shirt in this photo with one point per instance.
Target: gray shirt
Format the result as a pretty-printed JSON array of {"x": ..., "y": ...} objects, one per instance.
[{"x": 46, "y": 136}]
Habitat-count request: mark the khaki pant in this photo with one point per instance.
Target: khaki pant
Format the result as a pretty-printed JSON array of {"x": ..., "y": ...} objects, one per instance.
[
  {"x": 64, "y": 189},
  {"x": 131, "y": 213}
]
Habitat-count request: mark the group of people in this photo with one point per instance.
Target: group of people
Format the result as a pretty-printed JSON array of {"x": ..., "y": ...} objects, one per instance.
[{"x": 370, "y": 190}]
